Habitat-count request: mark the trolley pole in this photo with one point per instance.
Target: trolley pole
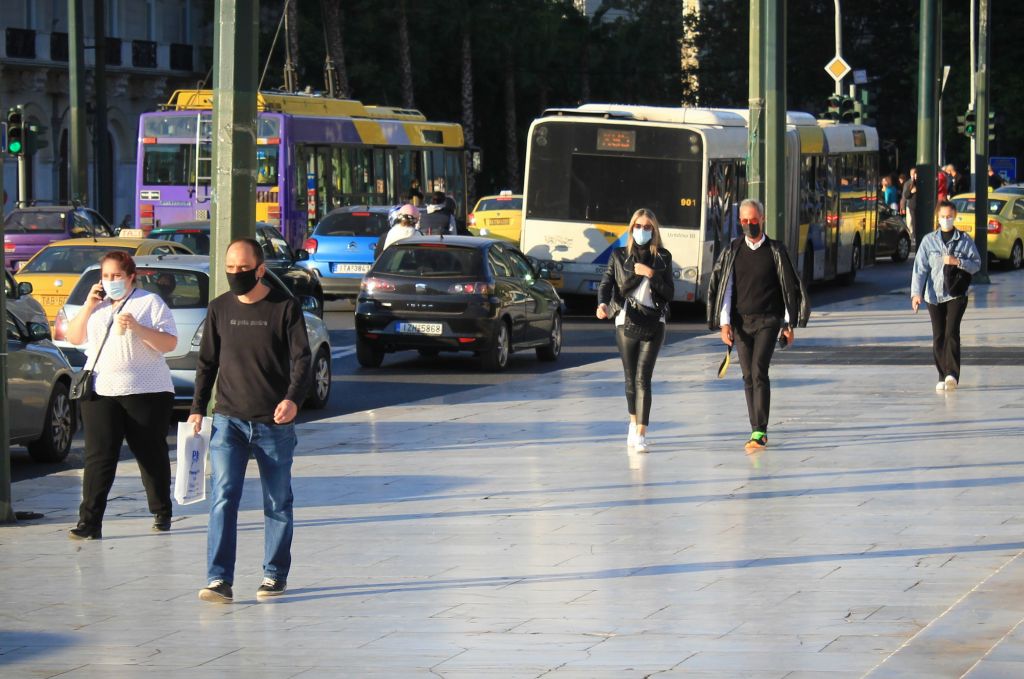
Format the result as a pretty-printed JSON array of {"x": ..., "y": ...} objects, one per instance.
[
  {"x": 233, "y": 205},
  {"x": 755, "y": 89},
  {"x": 77, "y": 152},
  {"x": 927, "y": 108},
  {"x": 774, "y": 50},
  {"x": 981, "y": 109}
]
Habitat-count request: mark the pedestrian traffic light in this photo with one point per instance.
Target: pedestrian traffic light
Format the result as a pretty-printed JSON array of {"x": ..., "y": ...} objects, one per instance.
[
  {"x": 970, "y": 123},
  {"x": 991, "y": 125},
  {"x": 15, "y": 131},
  {"x": 961, "y": 124},
  {"x": 847, "y": 110}
]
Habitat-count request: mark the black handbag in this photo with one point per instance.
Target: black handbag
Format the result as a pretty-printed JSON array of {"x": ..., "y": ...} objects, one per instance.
[
  {"x": 641, "y": 322},
  {"x": 83, "y": 384},
  {"x": 957, "y": 280}
]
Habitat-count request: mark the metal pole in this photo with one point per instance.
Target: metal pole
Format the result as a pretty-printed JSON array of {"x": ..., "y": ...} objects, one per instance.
[
  {"x": 76, "y": 77},
  {"x": 974, "y": 67},
  {"x": 6, "y": 505},
  {"x": 101, "y": 141},
  {"x": 755, "y": 126},
  {"x": 22, "y": 181},
  {"x": 839, "y": 44},
  {"x": 981, "y": 109},
  {"x": 774, "y": 45},
  {"x": 927, "y": 105},
  {"x": 233, "y": 207}
]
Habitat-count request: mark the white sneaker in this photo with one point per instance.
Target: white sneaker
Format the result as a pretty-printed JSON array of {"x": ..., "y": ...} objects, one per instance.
[
  {"x": 631, "y": 436},
  {"x": 950, "y": 382},
  {"x": 941, "y": 386},
  {"x": 640, "y": 445}
]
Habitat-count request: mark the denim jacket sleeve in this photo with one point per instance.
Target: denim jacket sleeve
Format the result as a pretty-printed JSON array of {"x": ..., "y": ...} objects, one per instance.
[
  {"x": 922, "y": 269},
  {"x": 967, "y": 253}
]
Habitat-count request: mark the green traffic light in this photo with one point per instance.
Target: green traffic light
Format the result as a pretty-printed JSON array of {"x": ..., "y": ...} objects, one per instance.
[{"x": 14, "y": 147}]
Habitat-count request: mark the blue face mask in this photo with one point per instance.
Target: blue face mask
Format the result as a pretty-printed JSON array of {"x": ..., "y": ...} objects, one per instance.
[
  {"x": 115, "y": 289},
  {"x": 642, "y": 237}
]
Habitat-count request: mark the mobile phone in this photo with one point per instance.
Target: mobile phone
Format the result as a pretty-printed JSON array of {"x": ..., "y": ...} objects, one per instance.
[
  {"x": 102, "y": 293},
  {"x": 783, "y": 342}
]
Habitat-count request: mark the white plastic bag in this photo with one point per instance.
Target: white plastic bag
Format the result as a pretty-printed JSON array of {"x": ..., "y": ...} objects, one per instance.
[{"x": 190, "y": 481}]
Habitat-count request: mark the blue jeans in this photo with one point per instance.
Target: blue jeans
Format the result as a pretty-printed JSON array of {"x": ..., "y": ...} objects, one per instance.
[{"x": 232, "y": 443}]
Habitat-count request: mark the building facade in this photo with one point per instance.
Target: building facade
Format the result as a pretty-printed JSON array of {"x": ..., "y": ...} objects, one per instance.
[{"x": 152, "y": 48}]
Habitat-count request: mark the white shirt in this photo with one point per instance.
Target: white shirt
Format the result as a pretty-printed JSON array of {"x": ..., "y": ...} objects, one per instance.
[
  {"x": 725, "y": 317},
  {"x": 642, "y": 294},
  {"x": 127, "y": 365},
  {"x": 397, "y": 233}
]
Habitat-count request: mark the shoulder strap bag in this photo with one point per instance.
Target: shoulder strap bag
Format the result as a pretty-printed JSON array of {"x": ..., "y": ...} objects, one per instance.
[{"x": 83, "y": 385}]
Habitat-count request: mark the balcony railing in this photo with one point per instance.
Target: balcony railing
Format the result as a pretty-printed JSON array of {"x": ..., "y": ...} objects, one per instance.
[
  {"x": 143, "y": 53},
  {"x": 21, "y": 43}
]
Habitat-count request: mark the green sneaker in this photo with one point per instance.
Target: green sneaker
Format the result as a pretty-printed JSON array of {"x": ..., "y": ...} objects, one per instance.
[{"x": 758, "y": 440}]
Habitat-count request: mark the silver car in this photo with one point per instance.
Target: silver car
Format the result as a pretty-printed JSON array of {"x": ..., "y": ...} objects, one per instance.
[
  {"x": 184, "y": 283},
  {"x": 42, "y": 416}
]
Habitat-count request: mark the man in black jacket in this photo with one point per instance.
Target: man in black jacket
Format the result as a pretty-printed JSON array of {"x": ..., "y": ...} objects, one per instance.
[{"x": 754, "y": 295}]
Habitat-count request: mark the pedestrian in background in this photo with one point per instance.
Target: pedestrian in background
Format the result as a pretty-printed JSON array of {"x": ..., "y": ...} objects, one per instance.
[
  {"x": 636, "y": 290},
  {"x": 255, "y": 347},
  {"x": 959, "y": 182},
  {"x": 404, "y": 226},
  {"x": 890, "y": 196},
  {"x": 942, "y": 186},
  {"x": 754, "y": 297},
  {"x": 939, "y": 256},
  {"x": 128, "y": 331},
  {"x": 994, "y": 180},
  {"x": 438, "y": 219},
  {"x": 908, "y": 203}
]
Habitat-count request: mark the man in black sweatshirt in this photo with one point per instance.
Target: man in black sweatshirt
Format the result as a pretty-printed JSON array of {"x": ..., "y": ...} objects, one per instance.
[
  {"x": 255, "y": 346},
  {"x": 754, "y": 296}
]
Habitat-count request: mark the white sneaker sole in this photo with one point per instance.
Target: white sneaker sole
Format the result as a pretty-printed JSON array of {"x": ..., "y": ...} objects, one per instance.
[{"x": 213, "y": 597}]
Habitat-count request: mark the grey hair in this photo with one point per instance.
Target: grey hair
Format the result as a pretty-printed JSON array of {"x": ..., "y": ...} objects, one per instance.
[{"x": 756, "y": 204}]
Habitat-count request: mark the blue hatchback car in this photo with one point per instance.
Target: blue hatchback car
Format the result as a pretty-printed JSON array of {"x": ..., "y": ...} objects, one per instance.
[{"x": 343, "y": 247}]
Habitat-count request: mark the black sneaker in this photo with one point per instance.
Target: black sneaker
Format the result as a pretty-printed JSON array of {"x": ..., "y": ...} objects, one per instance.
[
  {"x": 217, "y": 592},
  {"x": 85, "y": 532},
  {"x": 161, "y": 523},
  {"x": 271, "y": 587}
]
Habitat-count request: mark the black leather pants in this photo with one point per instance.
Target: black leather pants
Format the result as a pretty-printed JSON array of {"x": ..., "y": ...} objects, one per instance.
[{"x": 638, "y": 357}]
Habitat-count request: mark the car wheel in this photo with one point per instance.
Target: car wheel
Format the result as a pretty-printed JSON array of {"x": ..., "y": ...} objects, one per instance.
[
  {"x": 368, "y": 355},
  {"x": 321, "y": 392},
  {"x": 58, "y": 427},
  {"x": 495, "y": 359},
  {"x": 1017, "y": 255},
  {"x": 902, "y": 251},
  {"x": 551, "y": 350}
]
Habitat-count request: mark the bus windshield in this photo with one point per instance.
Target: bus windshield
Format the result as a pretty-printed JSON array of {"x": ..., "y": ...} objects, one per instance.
[{"x": 587, "y": 172}]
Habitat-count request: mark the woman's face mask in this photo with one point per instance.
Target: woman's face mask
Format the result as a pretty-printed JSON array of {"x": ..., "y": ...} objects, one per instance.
[
  {"x": 946, "y": 223},
  {"x": 642, "y": 236}
]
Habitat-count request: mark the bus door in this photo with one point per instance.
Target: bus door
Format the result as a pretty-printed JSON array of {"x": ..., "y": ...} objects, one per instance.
[{"x": 832, "y": 217}]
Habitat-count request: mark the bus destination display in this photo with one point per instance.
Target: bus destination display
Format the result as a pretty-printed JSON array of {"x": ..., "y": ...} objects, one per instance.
[{"x": 616, "y": 140}]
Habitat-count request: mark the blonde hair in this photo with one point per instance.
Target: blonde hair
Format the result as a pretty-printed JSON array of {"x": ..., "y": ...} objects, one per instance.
[{"x": 655, "y": 232}]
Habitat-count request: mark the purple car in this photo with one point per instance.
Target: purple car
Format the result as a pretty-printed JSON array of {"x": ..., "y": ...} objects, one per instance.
[{"x": 27, "y": 230}]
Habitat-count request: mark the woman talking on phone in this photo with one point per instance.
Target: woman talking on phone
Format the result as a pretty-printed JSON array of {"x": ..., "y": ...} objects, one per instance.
[
  {"x": 128, "y": 330},
  {"x": 635, "y": 291}
]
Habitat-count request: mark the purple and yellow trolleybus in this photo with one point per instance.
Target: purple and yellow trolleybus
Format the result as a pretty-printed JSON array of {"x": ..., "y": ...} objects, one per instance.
[{"x": 313, "y": 154}]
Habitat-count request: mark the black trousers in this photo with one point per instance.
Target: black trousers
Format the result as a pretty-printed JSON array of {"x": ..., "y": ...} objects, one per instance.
[
  {"x": 142, "y": 420},
  {"x": 638, "y": 358},
  {"x": 946, "y": 318},
  {"x": 755, "y": 336}
]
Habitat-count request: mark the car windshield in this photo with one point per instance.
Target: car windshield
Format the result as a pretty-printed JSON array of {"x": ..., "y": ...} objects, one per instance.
[
  {"x": 966, "y": 205},
  {"x": 195, "y": 240},
  {"x": 500, "y": 203},
  {"x": 352, "y": 224},
  {"x": 179, "y": 288},
  {"x": 431, "y": 260},
  {"x": 69, "y": 259},
  {"x": 36, "y": 222}
]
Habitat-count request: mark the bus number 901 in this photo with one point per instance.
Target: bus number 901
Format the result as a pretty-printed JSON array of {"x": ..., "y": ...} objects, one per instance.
[{"x": 688, "y": 202}]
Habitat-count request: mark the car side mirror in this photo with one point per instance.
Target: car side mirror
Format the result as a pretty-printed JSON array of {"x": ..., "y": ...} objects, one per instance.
[
  {"x": 309, "y": 304},
  {"x": 24, "y": 288},
  {"x": 301, "y": 255},
  {"x": 37, "y": 332}
]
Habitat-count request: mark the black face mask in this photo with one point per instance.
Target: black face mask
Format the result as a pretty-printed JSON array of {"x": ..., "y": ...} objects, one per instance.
[
  {"x": 752, "y": 231},
  {"x": 242, "y": 282}
]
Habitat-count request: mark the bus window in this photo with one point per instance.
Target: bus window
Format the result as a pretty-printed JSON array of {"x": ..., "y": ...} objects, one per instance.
[
  {"x": 167, "y": 164},
  {"x": 382, "y": 190},
  {"x": 456, "y": 184},
  {"x": 266, "y": 165},
  {"x": 409, "y": 171}
]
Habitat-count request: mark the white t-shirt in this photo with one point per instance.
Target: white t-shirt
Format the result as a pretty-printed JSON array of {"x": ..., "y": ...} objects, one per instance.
[
  {"x": 642, "y": 294},
  {"x": 127, "y": 365}
]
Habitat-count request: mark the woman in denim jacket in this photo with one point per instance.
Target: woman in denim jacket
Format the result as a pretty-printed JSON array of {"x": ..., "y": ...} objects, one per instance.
[{"x": 937, "y": 249}]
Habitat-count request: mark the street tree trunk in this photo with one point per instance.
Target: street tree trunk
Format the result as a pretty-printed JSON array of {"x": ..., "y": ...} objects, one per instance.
[
  {"x": 467, "y": 104},
  {"x": 405, "y": 62},
  {"x": 511, "y": 135},
  {"x": 292, "y": 43},
  {"x": 334, "y": 22}
]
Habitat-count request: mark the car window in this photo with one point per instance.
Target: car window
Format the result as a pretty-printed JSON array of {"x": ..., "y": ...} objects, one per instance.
[
  {"x": 99, "y": 224},
  {"x": 36, "y": 222},
  {"x": 966, "y": 205},
  {"x": 274, "y": 244},
  {"x": 179, "y": 288},
  {"x": 196, "y": 241},
  {"x": 68, "y": 259},
  {"x": 352, "y": 224},
  {"x": 499, "y": 267},
  {"x": 431, "y": 260},
  {"x": 162, "y": 250},
  {"x": 520, "y": 266},
  {"x": 1018, "y": 209},
  {"x": 500, "y": 203}
]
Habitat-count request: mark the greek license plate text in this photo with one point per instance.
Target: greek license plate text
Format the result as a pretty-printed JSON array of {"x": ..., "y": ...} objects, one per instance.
[
  {"x": 419, "y": 328},
  {"x": 498, "y": 221},
  {"x": 351, "y": 268},
  {"x": 54, "y": 300},
  {"x": 593, "y": 285}
]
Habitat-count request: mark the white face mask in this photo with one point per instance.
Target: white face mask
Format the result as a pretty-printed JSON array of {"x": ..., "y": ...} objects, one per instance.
[
  {"x": 642, "y": 236},
  {"x": 946, "y": 223}
]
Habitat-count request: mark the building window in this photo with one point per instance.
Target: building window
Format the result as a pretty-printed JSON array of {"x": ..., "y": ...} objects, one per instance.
[
  {"x": 181, "y": 57},
  {"x": 21, "y": 43},
  {"x": 113, "y": 51},
  {"x": 59, "y": 46},
  {"x": 144, "y": 53}
]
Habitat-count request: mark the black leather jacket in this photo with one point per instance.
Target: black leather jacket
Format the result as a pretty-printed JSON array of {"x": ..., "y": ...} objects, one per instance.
[
  {"x": 793, "y": 293},
  {"x": 619, "y": 280}
]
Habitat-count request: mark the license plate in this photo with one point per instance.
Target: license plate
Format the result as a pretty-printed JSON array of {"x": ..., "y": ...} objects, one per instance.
[
  {"x": 351, "y": 268},
  {"x": 419, "y": 328},
  {"x": 54, "y": 300},
  {"x": 593, "y": 285},
  {"x": 498, "y": 221}
]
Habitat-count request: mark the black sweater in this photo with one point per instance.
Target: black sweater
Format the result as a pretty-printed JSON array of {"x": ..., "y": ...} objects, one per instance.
[
  {"x": 756, "y": 289},
  {"x": 258, "y": 354}
]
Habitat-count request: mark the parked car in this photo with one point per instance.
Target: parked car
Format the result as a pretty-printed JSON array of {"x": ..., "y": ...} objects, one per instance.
[
  {"x": 1016, "y": 189},
  {"x": 343, "y": 246},
  {"x": 28, "y": 229},
  {"x": 42, "y": 417},
  {"x": 20, "y": 300},
  {"x": 457, "y": 293},
  {"x": 894, "y": 239},
  {"x": 1005, "y": 225},
  {"x": 54, "y": 270},
  {"x": 498, "y": 216},
  {"x": 279, "y": 256},
  {"x": 188, "y": 301}
]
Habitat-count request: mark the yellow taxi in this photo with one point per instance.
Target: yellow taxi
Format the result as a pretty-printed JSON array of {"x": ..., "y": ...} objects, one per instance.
[
  {"x": 1005, "y": 225},
  {"x": 54, "y": 270},
  {"x": 498, "y": 216}
]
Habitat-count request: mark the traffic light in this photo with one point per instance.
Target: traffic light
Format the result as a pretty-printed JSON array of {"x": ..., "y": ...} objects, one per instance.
[
  {"x": 867, "y": 109},
  {"x": 970, "y": 123},
  {"x": 35, "y": 138},
  {"x": 847, "y": 110},
  {"x": 991, "y": 125},
  {"x": 833, "y": 103},
  {"x": 961, "y": 124},
  {"x": 15, "y": 131}
]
